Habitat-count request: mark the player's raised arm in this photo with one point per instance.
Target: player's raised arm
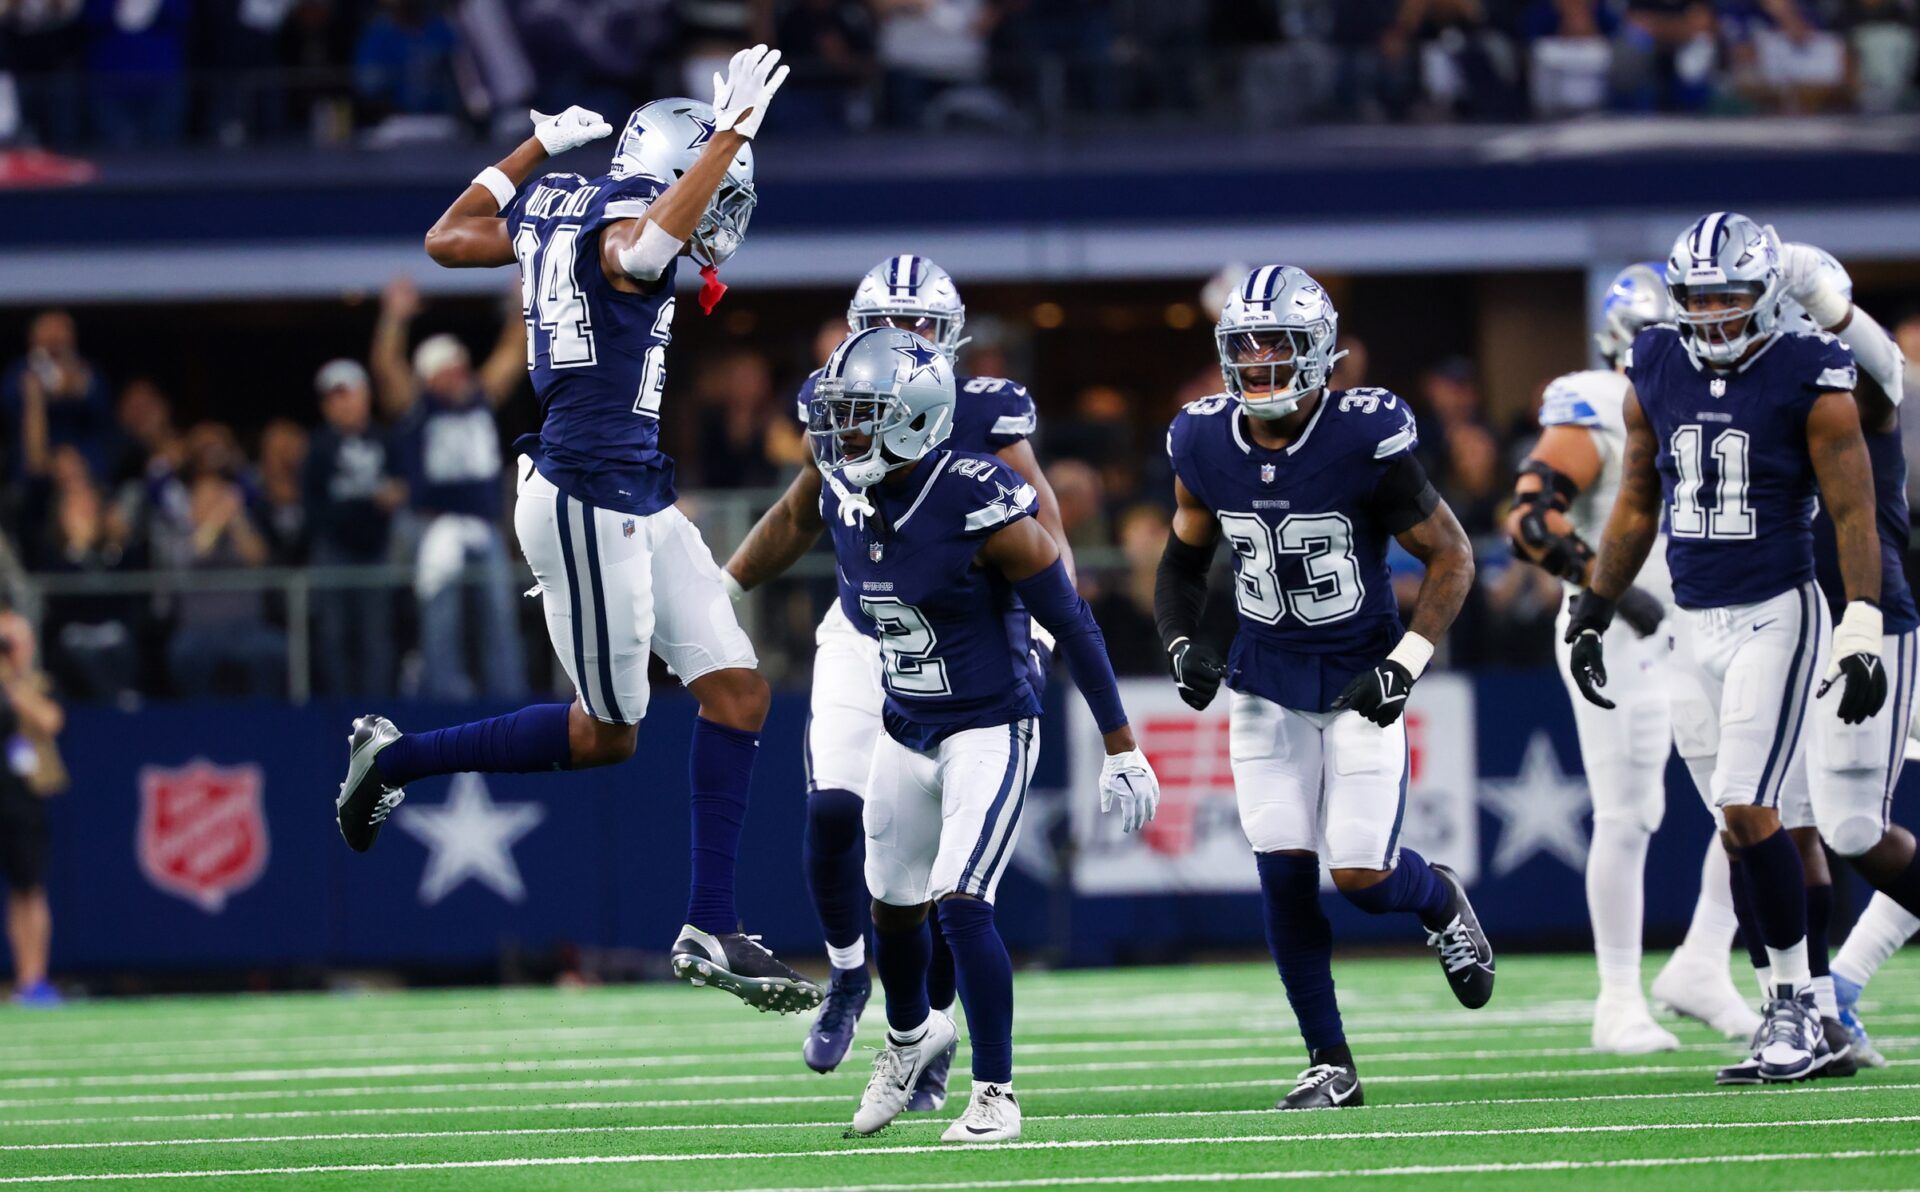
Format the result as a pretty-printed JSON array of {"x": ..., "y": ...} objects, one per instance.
[
  {"x": 1822, "y": 288},
  {"x": 643, "y": 247},
  {"x": 1845, "y": 474},
  {"x": 1025, "y": 554},
  {"x": 471, "y": 234},
  {"x": 784, "y": 533},
  {"x": 1629, "y": 535},
  {"x": 1179, "y": 595}
]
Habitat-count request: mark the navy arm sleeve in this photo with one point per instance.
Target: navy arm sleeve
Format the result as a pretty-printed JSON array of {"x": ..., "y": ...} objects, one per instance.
[{"x": 1050, "y": 597}]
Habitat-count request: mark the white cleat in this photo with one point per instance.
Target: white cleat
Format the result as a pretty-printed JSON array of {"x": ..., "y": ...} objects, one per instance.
[
  {"x": 993, "y": 1115},
  {"x": 1622, "y": 1026},
  {"x": 896, "y": 1069},
  {"x": 1704, "y": 991}
]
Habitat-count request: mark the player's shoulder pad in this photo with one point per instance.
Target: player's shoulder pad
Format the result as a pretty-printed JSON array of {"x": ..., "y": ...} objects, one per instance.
[
  {"x": 1014, "y": 415},
  {"x": 987, "y": 492},
  {"x": 803, "y": 397},
  {"x": 624, "y": 198},
  {"x": 1584, "y": 398},
  {"x": 1652, "y": 343},
  {"x": 1823, "y": 359},
  {"x": 1199, "y": 417},
  {"x": 1377, "y": 419}
]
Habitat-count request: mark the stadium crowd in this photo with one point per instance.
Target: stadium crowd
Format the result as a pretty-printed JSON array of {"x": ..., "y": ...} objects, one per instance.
[
  {"x": 407, "y": 467},
  {"x": 119, "y": 73}
]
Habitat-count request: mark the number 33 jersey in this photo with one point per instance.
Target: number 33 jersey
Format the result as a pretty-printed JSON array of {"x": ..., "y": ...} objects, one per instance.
[
  {"x": 1309, "y": 526},
  {"x": 953, "y": 634},
  {"x": 597, "y": 354},
  {"x": 1732, "y": 455}
]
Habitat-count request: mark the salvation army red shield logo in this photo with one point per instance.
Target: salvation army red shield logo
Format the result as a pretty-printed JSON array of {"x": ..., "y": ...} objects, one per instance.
[{"x": 203, "y": 830}]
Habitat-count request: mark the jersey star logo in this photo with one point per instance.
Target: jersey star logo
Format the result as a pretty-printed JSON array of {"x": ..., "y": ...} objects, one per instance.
[
  {"x": 1541, "y": 810},
  {"x": 920, "y": 359},
  {"x": 703, "y": 134},
  {"x": 470, "y": 837}
]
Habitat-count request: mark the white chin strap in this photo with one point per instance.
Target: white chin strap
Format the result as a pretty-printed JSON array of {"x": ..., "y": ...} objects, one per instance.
[{"x": 1277, "y": 405}]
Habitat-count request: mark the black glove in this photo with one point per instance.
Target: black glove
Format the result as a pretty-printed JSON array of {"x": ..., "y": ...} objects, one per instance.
[
  {"x": 1864, "y": 687},
  {"x": 1642, "y": 611},
  {"x": 1379, "y": 694},
  {"x": 1592, "y": 616},
  {"x": 1197, "y": 671}
]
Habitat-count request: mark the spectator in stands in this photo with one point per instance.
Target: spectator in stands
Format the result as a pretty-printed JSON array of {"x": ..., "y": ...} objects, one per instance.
[
  {"x": 1570, "y": 51},
  {"x": 442, "y": 409},
  {"x": 829, "y": 44},
  {"x": 711, "y": 32},
  {"x": 934, "y": 57},
  {"x": 222, "y": 641},
  {"x": 1374, "y": 67},
  {"x": 137, "y": 70},
  {"x": 145, "y": 432},
  {"x": 1467, "y": 64},
  {"x": 1780, "y": 59},
  {"x": 1664, "y": 55},
  {"x": 736, "y": 411},
  {"x": 91, "y": 649},
  {"x": 280, "y": 503},
  {"x": 55, "y": 384},
  {"x": 30, "y": 723},
  {"x": 403, "y": 64},
  {"x": 352, "y": 492},
  {"x": 1124, "y": 607},
  {"x": 1884, "y": 36}
]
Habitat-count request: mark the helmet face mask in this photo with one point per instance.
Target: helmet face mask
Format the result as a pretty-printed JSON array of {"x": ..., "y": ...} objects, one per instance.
[
  {"x": 883, "y": 400},
  {"x": 1728, "y": 293},
  {"x": 1275, "y": 340},
  {"x": 723, "y": 226},
  {"x": 662, "y": 140},
  {"x": 914, "y": 294}
]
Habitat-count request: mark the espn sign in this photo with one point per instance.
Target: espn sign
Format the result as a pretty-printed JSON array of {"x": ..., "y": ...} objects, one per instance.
[{"x": 1195, "y": 845}]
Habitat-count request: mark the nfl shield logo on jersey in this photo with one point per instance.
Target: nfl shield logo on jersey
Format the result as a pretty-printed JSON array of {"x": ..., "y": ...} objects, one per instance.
[
  {"x": 1266, "y": 473},
  {"x": 1717, "y": 386},
  {"x": 875, "y": 550},
  {"x": 203, "y": 830}
]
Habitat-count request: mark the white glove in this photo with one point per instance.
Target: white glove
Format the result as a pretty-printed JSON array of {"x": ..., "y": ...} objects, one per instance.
[
  {"x": 740, "y": 99},
  {"x": 1805, "y": 272},
  {"x": 1127, "y": 780},
  {"x": 569, "y": 130}
]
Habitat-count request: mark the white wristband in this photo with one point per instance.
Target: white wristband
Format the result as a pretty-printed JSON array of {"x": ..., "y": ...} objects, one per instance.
[
  {"x": 649, "y": 256},
  {"x": 1827, "y": 305},
  {"x": 497, "y": 184},
  {"x": 1413, "y": 652},
  {"x": 1858, "y": 631}
]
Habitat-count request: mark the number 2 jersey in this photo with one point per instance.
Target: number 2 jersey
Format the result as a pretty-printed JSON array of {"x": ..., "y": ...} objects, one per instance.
[
  {"x": 1309, "y": 525},
  {"x": 1732, "y": 456},
  {"x": 597, "y": 353},
  {"x": 990, "y": 414},
  {"x": 954, "y": 636}
]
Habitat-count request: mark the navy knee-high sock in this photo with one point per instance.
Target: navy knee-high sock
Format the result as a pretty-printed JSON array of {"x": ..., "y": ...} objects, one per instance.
[
  {"x": 720, "y": 765},
  {"x": 1819, "y": 912},
  {"x": 1743, "y": 911},
  {"x": 1779, "y": 886},
  {"x": 1301, "y": 941},
  {"x": 940, "y": 979},
  {"x": 984, "y": 973},
  {"x": 524, "y": 742},
  {"x": 1412, "y": 886},
  {"x": 835, "y": 851},
  {"x": 901, "y": 957}
]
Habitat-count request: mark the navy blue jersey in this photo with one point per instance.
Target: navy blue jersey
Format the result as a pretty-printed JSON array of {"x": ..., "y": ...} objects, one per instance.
[
  {"x": 953, "y": 634},
  {"x": 1733, "y": 462},
  {"x": 597, "y": 354},
  {"x": 990, "y": 414},
  {"x": 1897, "y": 611},
  {"x": 1309, "y": 526},
  {"x": 452, "y": 457}
]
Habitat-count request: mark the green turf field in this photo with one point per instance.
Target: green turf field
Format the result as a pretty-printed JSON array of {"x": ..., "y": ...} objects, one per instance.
[{"x": 1130, "y": 1077}]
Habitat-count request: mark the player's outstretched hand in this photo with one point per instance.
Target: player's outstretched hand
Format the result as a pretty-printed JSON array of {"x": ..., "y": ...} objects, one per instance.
[
  {"x": 1856, "y": 663},
  {"x": 1642, "y": 611},
  {"x": 740, "y": 97},
  {"x": 569, "y": 130},
  {"x": 1126, "y": 780},
  {"x": 1379, "y": 694},
  {"x": 1197, "y": 671}
]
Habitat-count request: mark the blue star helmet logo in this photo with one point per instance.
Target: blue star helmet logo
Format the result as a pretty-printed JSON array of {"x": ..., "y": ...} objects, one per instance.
[
  {"x": 704, "y": 133},
  {"x": 920, "y": 359}
]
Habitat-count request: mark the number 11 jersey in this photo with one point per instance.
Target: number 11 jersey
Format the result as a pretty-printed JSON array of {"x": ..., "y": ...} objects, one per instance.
[
  {"x": 597, "y": 353},
  {"x": 1732, "y": 455}
]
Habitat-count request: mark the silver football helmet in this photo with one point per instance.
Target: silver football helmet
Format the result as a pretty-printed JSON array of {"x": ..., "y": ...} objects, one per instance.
[
  {"x": 884, "y": 399},
  {"x": 1637, "y": 299},
  {"x": 911, "y": 292},
  {"x": 661, "y": 140},
  {"x": 1727, "y": 254},
  {"x": 1275, "y": 338}
]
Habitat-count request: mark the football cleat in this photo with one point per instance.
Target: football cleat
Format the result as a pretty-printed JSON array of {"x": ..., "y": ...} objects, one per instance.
[
  {"x": 1747, "y": 1071},
  {"x": 740, "y": 965},
  {"x": 41, "y": 995},
  {"x": 1843, "y": 1062},
  {"x": 365, "y": 801},
  {"x": 1465, "y": 954},
  {"x": 930, "y": 1093},
  {"x": 1703, "y": 990},
  {"x": 839, "y": 1018},
  {"x": 1792, "y": 1043},
  {"x": 897, "y": 1068},
  {"x": 1325, "y": 1086},
  {"x": 1622, "y": 1026},
  {"x": 993, "y": 1115},
  {"x": 1848, "y": 995}
]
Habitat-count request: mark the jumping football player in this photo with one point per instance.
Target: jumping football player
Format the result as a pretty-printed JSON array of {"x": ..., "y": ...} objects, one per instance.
[
  {"x": 621, "y": 570},
  {"x": 1731, "y": 422},
  {"x": 992, "y": 416},
  {"x": 1562, "y": 497},
  {"x": 944, "y": 561},
  {"x": 1308, "y": 485}
]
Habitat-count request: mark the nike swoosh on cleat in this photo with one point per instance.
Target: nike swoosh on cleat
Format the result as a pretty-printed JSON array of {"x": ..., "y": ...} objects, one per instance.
[
  {"x": 1341, "y": 1098},
  {"x": 975, "y": 1130}
]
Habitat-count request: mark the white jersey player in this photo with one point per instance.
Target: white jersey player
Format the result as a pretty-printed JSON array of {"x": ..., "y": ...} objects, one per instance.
[{"x": 1563, "y": 495}]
